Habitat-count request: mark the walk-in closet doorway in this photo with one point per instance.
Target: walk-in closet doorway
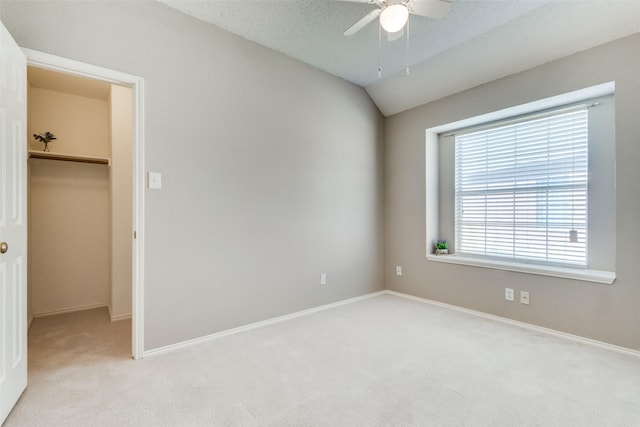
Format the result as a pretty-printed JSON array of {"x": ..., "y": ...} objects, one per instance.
[{"x": 84, "y": 204}]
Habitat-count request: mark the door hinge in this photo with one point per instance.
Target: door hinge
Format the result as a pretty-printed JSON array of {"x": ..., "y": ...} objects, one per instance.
[{"x": 135, "y": 235}]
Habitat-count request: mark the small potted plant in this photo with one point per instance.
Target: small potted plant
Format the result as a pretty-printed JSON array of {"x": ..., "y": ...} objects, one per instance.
[
  {"x": 442, "y": 248},
  {"x": 45, "y": 138}
]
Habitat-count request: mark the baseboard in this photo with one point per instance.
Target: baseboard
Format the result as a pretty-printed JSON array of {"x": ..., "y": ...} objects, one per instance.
[
  {"x": 206, "y": 338},
  {"x": 529, "y": 326},
  {"x": 119, "y": 318},
  {"x": 523, "y": 325},
  {"x": 69, "y": 310}
]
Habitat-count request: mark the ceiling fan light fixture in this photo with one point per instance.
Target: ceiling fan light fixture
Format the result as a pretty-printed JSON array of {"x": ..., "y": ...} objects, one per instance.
[{"x": 393, "y": 18}]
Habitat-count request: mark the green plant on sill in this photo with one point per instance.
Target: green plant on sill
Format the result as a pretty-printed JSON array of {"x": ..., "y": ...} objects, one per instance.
[
  {"x": 45, "y": 138},
  {"x": 442, "y": 244}
]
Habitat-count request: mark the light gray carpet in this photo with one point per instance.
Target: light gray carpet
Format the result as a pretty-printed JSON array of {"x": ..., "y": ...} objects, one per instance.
[{"x": 384, "y": 361}]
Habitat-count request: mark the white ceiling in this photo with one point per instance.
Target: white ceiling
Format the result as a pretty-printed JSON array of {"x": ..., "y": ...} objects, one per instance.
[{"x": 479, "y": 41}]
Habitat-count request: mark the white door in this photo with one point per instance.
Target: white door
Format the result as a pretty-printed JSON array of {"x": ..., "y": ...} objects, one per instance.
[{"x": 13, "y": 223}]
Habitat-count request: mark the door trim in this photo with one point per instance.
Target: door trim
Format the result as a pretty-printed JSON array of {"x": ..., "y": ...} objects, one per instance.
[{"x": 69, "y": 66}]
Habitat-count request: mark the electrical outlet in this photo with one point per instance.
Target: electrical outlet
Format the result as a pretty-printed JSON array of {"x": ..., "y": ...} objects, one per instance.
[
  {"x": 398, "y": 270},
  {"x": 323, "y": 279},
  {"x": 509, "y": 294},
  {"x": 524, "y": 297}
]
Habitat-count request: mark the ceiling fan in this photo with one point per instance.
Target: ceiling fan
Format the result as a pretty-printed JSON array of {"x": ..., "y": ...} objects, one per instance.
[{"x": 395, "y": 13}]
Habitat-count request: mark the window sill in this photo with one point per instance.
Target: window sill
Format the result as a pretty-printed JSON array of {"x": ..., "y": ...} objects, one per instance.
[{"x": 598, "y": 276}]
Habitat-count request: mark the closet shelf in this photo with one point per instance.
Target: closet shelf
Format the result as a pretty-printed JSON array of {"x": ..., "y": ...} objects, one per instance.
[{"x": 69, "y": 157}]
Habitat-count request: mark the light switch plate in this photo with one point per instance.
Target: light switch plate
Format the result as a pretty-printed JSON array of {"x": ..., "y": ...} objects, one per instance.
[{"x": 155, "y": 180}]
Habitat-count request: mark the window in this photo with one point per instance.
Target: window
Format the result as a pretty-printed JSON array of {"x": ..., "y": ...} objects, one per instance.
[
  {"x": 521, "y": 189},
  {"x": 530, "y": 188}
]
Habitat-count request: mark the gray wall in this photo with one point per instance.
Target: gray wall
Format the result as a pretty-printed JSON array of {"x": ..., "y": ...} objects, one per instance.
[
  {"x": 604, "y": 312},
  {"x": 272, "y": 170}
]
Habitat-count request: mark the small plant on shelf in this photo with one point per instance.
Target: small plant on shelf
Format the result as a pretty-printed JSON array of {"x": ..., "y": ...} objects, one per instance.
[
  {"x": 45, "y": 138},
  {"x": 442, "y": 247}
]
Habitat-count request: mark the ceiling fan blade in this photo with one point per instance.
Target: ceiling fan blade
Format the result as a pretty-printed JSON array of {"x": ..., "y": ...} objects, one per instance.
[
  {"x": 363, "y": 22},
  {"x": 377, "y": 2},
  {"x": 430, "y": 8}
]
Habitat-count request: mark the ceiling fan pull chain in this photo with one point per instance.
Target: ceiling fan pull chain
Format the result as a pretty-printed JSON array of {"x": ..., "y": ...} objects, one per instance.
[
  {"x": 379, "y": 50},
  {"x": 408, "y": 59}
]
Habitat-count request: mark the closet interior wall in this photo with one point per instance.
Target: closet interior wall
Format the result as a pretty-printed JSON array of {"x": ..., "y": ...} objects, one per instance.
[{"x": 72, "y": 234}]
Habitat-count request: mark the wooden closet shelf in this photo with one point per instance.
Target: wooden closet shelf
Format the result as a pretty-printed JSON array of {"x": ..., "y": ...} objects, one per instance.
[{"x": 69, "y": 157}]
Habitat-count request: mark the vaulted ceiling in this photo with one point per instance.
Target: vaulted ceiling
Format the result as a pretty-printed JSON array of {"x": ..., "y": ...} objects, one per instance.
[{"x": 477, "y": 42}]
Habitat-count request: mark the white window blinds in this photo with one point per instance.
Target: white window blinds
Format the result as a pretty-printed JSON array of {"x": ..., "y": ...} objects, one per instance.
[{"x": 521, "y": 189}]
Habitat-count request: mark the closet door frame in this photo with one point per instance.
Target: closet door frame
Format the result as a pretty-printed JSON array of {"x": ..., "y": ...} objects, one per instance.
[{"x": 69, "y": 66}]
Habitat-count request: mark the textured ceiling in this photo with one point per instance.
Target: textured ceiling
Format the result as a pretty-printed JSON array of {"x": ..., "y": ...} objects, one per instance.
[
  {"x": 312, "y": 31},
  {"x": 479, "y": 41}
]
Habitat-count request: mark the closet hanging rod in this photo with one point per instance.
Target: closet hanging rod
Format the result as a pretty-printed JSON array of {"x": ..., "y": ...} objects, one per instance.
[{"x": 69, "y": 158}]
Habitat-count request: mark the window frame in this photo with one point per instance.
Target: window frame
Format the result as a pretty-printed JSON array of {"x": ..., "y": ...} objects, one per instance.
[{"x": 432, "y": 177}]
